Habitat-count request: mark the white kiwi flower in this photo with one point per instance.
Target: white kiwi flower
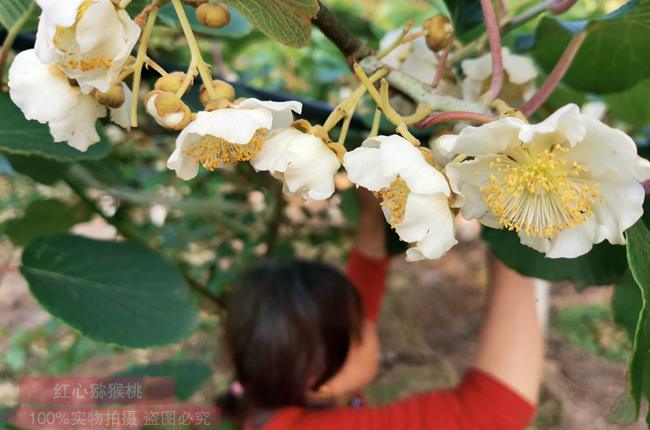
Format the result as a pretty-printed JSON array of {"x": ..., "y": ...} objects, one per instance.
[
  {"x": 563, "y": 185},
  {"x": 416, "y": 59},
  {"x": 520, "y": 74},
  {"x": 302, "y": 161},
  {"x": 45, "y": 94},
  {"x": 89, "y": 40},
  {"x": 414, "y": 195},
  {"x": 229, "y": 135}
]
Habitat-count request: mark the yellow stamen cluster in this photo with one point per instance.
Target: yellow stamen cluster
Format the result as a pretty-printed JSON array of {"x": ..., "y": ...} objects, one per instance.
[
  {"x": 542, "y": 194},
  {"x": 212, "y": 151},
  {"x": 394, "y": 198},
  {"x": 65, "y": 40}
]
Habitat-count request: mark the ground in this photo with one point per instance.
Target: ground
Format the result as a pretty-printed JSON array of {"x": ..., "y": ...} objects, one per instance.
[{"x": 429, "y": 322}]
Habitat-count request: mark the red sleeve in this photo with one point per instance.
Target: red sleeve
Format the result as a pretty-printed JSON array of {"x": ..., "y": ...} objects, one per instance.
[
  {"x": 480, "y": 402},
  {"x": 369, "y": 277}
]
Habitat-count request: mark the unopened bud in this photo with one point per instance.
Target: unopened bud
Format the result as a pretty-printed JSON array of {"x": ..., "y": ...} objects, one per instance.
[
  {"x": 170, "y": 83},
  {"x": 113, "y": 98},
  {"x": 168, "y": 110},
  {"x": 213, "y": 15},
  {"x": 440, "y": 32},
  {"x": 222, "y": 89},
  {"x": 217, "y": 104}
]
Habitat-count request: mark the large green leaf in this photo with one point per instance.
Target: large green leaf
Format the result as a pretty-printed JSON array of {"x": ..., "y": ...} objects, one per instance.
[
  {"x": 44, "y": 217},
  {"x": 604, "y": 264},
  {"x": 12, "y": 10},
  {"x": 631, "y": 106},
  {"x": 613, "y": 57},
  {"x": 118, "y": 292},
  {"x": 188, "y": 375},
  {"x": 238, "y": 26},
  {"x": 20, "y": 136},
  {"x": 43, "y": 170},
  {"x": 638, "y": 249},
  {"x": 287, "y": 21},
  {"x": 467, "y": 15},
  {"x": 626, "y": 304}
]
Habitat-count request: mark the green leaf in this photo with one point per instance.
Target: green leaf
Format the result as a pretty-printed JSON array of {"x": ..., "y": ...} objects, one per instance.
[
  {"x": 604, "y": 264},
  {"x": 626, "y": 304},
  {"x": 188, "y": 375},
  {"x": 441, "y": 6},
  {"x": 467, "y": 15},
  {"x": 11, "y": 11},
  {"x": 238, "y": 26},
  {"x": 117, "y": 292},
  {"x": 613, "y": 57},
  {"x": 42, "y": 170},
  {"x": 638, "y": 249},
  {"x": 631, "y": 106},
  {"x": 23, "y": 137},
  {"x": 287, "y": 21},
  {"x": 44, "y": 217}
]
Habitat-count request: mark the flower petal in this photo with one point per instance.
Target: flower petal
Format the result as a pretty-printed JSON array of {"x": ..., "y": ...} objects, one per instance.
[
  {"x": 566, "y": 122},
  {"x": 418, "y": 213},
  {"x": 186, "y": 167},
  {"x": 490, "y": 138},
  {"x": 440, "y": 237},
  {"x": 233, "y": 125},
  {"x": 78, "y": 128},
  {"x": 573, "y": 242},
  {"x": 60, "y": 13},
  {"x": 282, "y": 111},
  {"x": 520, "y": 69},
  {"x": 363, "y": 165},
  {"x": 40, "y": 94}
]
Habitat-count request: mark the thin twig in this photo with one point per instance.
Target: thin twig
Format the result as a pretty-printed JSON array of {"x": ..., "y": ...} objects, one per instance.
[
  {"x": 350, "y": 45},
  {"x": 646, "y": 187},
  {"x": 455, "y": 116},
  {"x": 555, "y": 76},
  {"x": 494, "y": 36},
  {"x": 561, "y": 6}
]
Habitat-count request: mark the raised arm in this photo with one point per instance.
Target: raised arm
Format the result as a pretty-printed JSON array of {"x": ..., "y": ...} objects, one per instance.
[{"x": 510, "y": 346}]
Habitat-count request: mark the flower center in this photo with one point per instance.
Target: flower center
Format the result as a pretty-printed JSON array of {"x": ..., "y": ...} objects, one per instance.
[
  {"x": 65, "y": 39},
  {"x": 213, "y": 151},
  {"x": 541, "y": 195},
  {"x": 394, "y": 198}
]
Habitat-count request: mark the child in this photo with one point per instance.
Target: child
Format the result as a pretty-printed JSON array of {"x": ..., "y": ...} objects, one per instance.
[{"x": 303, "y": 341}]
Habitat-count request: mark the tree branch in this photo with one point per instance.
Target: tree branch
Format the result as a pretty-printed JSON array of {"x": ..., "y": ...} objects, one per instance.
[{"x": 350, "y": 45}]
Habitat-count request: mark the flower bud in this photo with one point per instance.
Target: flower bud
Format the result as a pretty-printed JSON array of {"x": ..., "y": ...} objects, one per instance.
[
  {"x": 170, "y": 83},
  {"x": 222, "y": 89},
  {"x": 440, "y": 32},
  {"x": 217, "y": 104},
  {"x": 113, "y": 98},
  {"x": 168, "y": 110},
  {"x": 213, "y": 15}
]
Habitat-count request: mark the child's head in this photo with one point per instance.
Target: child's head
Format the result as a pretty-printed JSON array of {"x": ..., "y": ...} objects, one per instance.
[{"x": 291, "y": 328}]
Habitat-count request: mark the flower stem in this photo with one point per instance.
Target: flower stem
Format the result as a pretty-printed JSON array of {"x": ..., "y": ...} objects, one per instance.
[
  {"x": 442, "y": 65},
  {"x": 347, "y": 107},
  {"x": 397, "y": 42},
  {"x": 455, "y": 116},
  {"x": 139, "y": 63},
  {"x": 189, "y": 78},
  {"x": 11, "y": 38},
  {"x": 376, "y": 122},
  {"x": 201, "y": 65},
  {"x": 555, "y": 76},
  {"x": 494, "y": 36},
  {"x": 157, "y": 67}
]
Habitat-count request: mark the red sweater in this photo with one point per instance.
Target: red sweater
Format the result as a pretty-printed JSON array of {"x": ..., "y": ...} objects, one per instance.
[{"x": 480, "y": 402}]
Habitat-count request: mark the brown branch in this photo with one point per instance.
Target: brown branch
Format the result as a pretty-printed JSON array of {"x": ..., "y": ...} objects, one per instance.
[{"x": 350, "y": 45}]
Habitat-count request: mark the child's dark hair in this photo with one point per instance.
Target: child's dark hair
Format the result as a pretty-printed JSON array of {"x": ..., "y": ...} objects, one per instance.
[{"x": 289, "y": 328}]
